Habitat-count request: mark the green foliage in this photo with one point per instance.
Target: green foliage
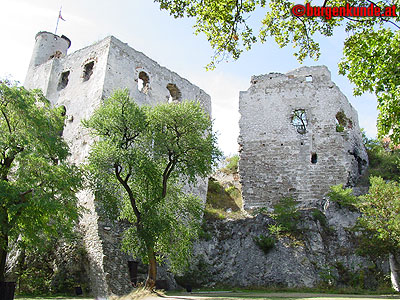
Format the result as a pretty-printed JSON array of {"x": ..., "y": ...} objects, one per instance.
[
  {"x": 343, "y": 196},
  {"x": 236, "y": 195},
  {"x": 232, "y": 166},
  {"x": 204, "y": 232},
  {"x": 35, "y": 281},
  {"x": 56, "y": 269},
  {"x": 380, "y": 210},
  {"x": 137, "y": 167},
  {"x": 220, "y": 200},
  {"x": 286, "y": 216},
  {"x": 339, "y": 128},
  {"x": 320, "y": 217},
  {"x": 384, "y": 159},
  {"x": 327, "y": 276},
  {"x": 265, "y": 243},
  {"x": 276, "y": 230},
  {"x": 211, "y": 213},
  {"x": 37, "y": 184},
  {"x": 196, "y": 276},
  {"x": 371, "y": 49},
  {"x": 371, "y": 63},
  {"x": 219, "y": 197}
]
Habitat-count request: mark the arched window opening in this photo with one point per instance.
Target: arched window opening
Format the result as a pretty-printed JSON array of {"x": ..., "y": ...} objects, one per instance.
[
  {"x": 175, "y": 94},
  {"x": 299, "y": 120},
  {"x": 143, "y": 82},
  {"x": 309, "y": 78},
  {"x": 88, "y": 71},
  {"x": 64, "y": 78}
]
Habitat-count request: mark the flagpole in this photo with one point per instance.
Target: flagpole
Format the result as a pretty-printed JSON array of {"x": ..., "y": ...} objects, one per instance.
[{"x": 58, "y": 20}]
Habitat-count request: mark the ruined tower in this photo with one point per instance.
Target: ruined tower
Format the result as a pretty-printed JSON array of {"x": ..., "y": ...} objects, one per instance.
[
  {"x": 79, "y": 81},
  {"x": 299, "y": 135}
]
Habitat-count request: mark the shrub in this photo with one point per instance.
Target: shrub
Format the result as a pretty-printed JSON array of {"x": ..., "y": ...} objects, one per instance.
[
  {"x": 265, "y": 243},
  {"x": 232, "y": 166},
  {"x": 287, "y": 215},
  {"x": 344, "y": 197},
  {"x": 319, "y": 216}
]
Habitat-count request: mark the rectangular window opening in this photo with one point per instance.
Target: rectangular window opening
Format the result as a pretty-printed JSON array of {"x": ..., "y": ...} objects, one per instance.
[{"x": 88, "y": 71}]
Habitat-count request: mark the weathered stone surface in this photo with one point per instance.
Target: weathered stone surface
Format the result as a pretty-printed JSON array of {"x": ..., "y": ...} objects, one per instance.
[
  {"x": 325, "y": 252},
  {"x": 79, "y": 81},
  {"x": 278, "y": 158}
]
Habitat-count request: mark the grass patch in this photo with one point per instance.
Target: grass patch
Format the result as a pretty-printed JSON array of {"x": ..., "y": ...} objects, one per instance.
[
  {"x": 222, "y": 202},
  {"x": 220, "y": 198}
]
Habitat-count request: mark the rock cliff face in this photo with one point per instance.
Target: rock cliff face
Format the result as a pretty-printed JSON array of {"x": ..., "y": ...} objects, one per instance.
[{"x": 323, "y": 255}]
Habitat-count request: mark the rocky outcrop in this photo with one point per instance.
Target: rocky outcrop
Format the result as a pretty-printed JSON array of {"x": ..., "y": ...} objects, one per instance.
[{"x": 323, "y": 254}]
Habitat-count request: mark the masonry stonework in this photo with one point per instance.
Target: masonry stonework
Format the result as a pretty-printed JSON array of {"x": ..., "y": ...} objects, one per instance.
[
  {"x": 299, "y": 135},
  {"x": 79, "y": 82}
]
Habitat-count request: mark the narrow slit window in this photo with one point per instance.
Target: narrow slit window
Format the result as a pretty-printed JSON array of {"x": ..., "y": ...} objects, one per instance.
[
  {"x": 174, "y": 93},
  {"x": 314, "y": 158},
  {"x": 299, "y": 120},
  {"x": 88, "y": 71},
  {"x": 63, "y": 80},
  {"x": 143, "y": 82}
]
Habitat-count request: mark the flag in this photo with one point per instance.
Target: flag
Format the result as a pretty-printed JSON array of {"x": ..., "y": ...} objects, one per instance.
[{"x": 60, "y": 16}]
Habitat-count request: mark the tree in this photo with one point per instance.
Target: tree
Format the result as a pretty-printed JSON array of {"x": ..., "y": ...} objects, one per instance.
[
  {"x": 137, "y": 166},
  {"x": 380, "y": 210},
  {"x": 383, "y": 159},
  {"x": 371, "y": 50},
  {"x": 379, "y": 223},
  {"x": 37, "y": 184}
]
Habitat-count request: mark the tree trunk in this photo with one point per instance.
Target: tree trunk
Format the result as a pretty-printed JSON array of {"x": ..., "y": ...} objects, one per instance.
[
  {"x": 394, "y": 263},
  {"x": 3, "y": 256},
  {"x": 152, "y": 273}
]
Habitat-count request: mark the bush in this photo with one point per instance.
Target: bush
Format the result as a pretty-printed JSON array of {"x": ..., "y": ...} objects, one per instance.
[
  {"x": 232, "y": 166},
  {"x": 344, "y": 197},
  {"x": 383, "y": 161},
  {"x": 287, "y": 215},
  {"x": 319, "y": 216},
  {"x": 265, "y": 243}
]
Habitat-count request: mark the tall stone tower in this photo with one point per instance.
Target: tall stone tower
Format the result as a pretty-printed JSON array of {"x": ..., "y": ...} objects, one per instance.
[
  {"x": 79, "y": 81},
  {"x": 299, "y": 135}
]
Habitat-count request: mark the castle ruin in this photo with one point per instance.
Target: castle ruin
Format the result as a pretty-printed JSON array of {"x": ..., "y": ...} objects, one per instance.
[
  {"x": 299, "y": 135},
  {"x": 79, "y": 81}
]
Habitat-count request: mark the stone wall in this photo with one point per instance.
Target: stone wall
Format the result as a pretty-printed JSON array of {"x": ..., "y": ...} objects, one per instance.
[
  {"x": 299, "y": 135},
  {"x": 79, "y": 82}
]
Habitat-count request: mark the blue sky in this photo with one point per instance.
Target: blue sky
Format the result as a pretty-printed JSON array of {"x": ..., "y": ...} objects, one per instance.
[{"x": 171, "y": 43}]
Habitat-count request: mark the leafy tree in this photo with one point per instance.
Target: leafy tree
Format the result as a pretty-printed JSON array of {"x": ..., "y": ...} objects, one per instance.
[
  {"x": 37, "y": 184},
  {"x": 379, "y": 222},
  {"x": 137, "y": 165},
  {"x": 380, "y": 210},
  {"x": 371, "y": 50},
  {"x": 384, "y": 159}
]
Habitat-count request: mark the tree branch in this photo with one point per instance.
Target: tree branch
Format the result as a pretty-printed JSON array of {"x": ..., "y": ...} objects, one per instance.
[
  {"x": 8, "y": 122},
  {"x": 124, "y": 183}
]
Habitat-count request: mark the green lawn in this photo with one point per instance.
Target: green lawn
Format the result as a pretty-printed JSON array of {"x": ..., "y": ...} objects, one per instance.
[{"x": 220, "y": 295}]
